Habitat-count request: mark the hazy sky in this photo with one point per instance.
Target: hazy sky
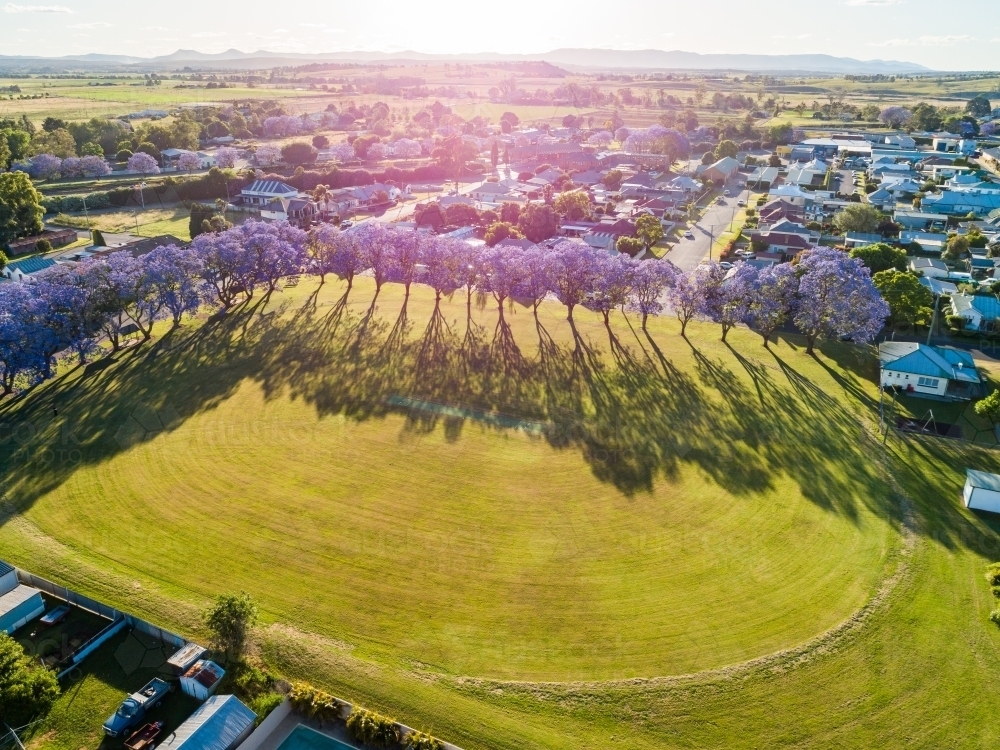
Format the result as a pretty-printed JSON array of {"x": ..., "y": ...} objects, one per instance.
[{"x": 955, "y": 35}]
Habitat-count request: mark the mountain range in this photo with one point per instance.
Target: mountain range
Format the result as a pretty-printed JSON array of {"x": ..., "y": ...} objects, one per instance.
[{"x": 568, "y": 57}]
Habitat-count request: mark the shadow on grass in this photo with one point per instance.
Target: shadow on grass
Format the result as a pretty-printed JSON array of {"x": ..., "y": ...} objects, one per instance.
[{"x": 634, "y": 415}]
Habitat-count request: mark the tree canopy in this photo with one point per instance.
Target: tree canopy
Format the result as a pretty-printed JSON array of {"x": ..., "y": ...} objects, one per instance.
[
  {"x": 231, "y": 618},
  {"x": 20, "y": 207},
  {"x": 858, "y": 217},
  {"x": 880, "y": 256},
  {"x": 27, "y": 691},
  {"x": 909, "y": 300}
]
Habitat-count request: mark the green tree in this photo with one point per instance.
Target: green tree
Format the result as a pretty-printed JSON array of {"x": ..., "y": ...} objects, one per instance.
[
  {"x": 201, "y": 214},
  {"x": 858, "y": 217},
  {"x": 648, "y": 229},
  {"x": 925, "y": 117},
  {"x": 613, "y": 179},
  {"x": 870, "y": 112},
  {"x": 630, "y": 245},
  {"x": 499, "y": 231},
  {"x": 574, "y": 205},
  {"x": 978, "y": 106},
  {"x": 880, "y": 257},
  {"x": 148, "y": 147},
  {"x": 3, "y": 259},
  {"x": 774, "y": 160},
  {"x": 321, "y": 141},
  {"x": 957, "y": 247},
  {"x": 53, "y": 123},
  {"x": 726, "y": 148},
  {"x": 537, "y": 222},
  {"x": 18, "y": 143},
  {"x": 231, "y": 618},
  {"x": 989, "y": 407},
  {"x": 59, "y": 143},
  {"x": 908, "y": 299},
  {"x": 299, "y": 153},
  {"x": 20, "y": 207},
  {"x": 27, "y": 691},
  {"x": 4, "y": 154}
]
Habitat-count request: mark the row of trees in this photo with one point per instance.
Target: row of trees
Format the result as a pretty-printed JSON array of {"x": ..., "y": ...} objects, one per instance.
[{"x": 70, "y": 308}]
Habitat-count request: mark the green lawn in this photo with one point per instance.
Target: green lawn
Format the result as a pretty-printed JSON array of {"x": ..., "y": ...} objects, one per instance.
[{"x": 674, "y": 508}]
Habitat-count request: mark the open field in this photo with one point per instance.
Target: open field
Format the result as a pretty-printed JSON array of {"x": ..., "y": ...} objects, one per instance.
[
  {"x": 670, "y": 508},
  {"x": 148, "y": 223}
]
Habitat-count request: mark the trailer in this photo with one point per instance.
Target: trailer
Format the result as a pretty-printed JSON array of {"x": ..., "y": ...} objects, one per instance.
[{"x": 143, "y": 739}]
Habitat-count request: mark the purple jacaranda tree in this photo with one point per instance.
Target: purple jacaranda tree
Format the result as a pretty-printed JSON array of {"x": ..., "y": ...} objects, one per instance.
[
  {"x": 440, "y": 266},
  {"x": 72, "y": 166},
  {"x": 836, "y": 298},
  {"x": 729, "y": 302},
  {"x": 342, "y": 152},
  {"x": 276, "y": 250},
  {"x": 282, "y": 126},
  {"x": 896, "y": 117},
  {"x": 377, "y": 241},
  {"x": 406, "y": 148},
  {"x": 376, "y": 152},
  {"x": 188, "y": 162},
  {"x": 404, "y": 257},
  {"x": 66, "y": 315},
  {"x": 622, "y": 134},
  {"x": 601, "y": 139},
  {"x": 45, "y": 167},
  {"x": 142, "y": 163},
  {"x": 537, "y": 280},
  {"x": 174, "y": 275},
  {"x": 227, "y": 268},
  {"x": 684, "y": 295},
  {"x": 110, "y": 285},
  {"x": 772, "y": 298},
  {"x": 350, "y": 257},
  {"x": 573, "y": 275},
  {"x": 21, "y": 356},
  {"x": 502, "y": 271},
  {"x": 267, "y": 156},
  {"x": 225, "y": 157},
  {"x": 93, "y": 166},
  {"x": 613, "y": 285},
  {"x": 649, "y": 286}
]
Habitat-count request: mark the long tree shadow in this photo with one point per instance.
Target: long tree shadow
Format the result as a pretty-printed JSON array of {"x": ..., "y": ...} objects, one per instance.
[{"x": 633, "y": 415}]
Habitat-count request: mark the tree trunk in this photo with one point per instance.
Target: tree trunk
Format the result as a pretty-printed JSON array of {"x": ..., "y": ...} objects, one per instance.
[
  {"x": 725, "y": 332},
  {"x": 569, "y": 315},
  {"x": 645, "y": 316}
]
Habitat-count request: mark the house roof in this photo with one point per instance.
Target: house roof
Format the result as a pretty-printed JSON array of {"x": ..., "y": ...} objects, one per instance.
[
  {"x": 982, "y": 480},
  {"x": 785, "y": 239},
  {"x": 726, "y": 165},
  {"x": 779, "y": 208},
  {"x": 5, "y": 568},
  {"x": 986, "y": 305},
  {"x": 930, "y": 361},
  {"x": 269, "y": 187},
  {"x": 937, "y": 286},
  {"x": 217, "y": 724},
  {"x": 31, "y": 265},
  {"x": 918, "y": 263}
]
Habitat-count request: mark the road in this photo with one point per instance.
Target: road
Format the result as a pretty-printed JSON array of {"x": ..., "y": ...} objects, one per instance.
[{"x": 687, "y": 254}]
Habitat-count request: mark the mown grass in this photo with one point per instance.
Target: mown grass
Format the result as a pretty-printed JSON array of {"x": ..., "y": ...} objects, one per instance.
[{"x": 686, "y": 507}]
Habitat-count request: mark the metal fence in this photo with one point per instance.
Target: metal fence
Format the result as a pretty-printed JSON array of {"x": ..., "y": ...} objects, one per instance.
[{"x": 61, "y": 592}]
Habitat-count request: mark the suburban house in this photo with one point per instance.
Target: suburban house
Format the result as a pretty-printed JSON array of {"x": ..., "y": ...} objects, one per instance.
[
  {"x": 961, "y": 202},
  {"x": 300, "y": 211},
  {"x": 791, "y": 194},
  {"x": 861, "y": 239},
  {"x": 24, "y": 270},
  {"x": 979, "y": 310},
  {"x": 172, "y": 155},
  {"x": 938, "y": 287},
  {"x": 490, "y": 192},
  {"x": 917, "y": 219},
  {"x": 782, "y": 242},
  {"x": 931, "y": 267},
  {"x": 930, "y": 371},
  {"x": 763, "y": 177},
  {"x": 262, "y": 192},
  {"x": 721, "y": 171},
  {"x": 811, "y": 174},
  {"x": 776, "y": 210}
]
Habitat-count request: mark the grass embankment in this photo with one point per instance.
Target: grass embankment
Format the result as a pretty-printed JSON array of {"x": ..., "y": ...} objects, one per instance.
[{"x": 683, "y": 508}]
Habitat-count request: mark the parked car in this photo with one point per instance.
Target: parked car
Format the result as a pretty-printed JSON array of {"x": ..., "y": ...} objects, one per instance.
[
  {"x": 725, "y": 192},
  {"x": 133, "y": 709},
  {"x": 688, "y": 235},
  {"x": 721, "y": 201},
  {"x": 726, "y": 264},
  {"x": 741, "y": 203},
  {"x": 346, "y": 224}
]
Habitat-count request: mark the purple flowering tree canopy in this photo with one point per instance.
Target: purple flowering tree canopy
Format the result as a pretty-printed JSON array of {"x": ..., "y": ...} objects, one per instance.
[
  {"x": 142, "y": 163},
  {"x": 225, "y": 157},
  {"x": 772, "y": 299}
]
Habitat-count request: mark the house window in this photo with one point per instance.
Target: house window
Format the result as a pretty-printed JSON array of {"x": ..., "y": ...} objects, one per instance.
[{"x": 928, "y": 382}]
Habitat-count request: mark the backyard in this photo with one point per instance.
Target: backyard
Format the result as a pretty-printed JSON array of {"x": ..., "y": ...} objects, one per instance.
[{"x": 667, "y": 507}]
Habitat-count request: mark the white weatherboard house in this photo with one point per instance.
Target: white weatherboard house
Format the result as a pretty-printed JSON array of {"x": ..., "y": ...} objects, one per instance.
[
  {"x": 982, "y": 491},
  {"x": 262, "y": 192},
  {"x": 937, "y": 372}
]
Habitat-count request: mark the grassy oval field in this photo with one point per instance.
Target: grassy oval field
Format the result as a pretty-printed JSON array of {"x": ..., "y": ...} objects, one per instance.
[{"x": 670, "y": 508}]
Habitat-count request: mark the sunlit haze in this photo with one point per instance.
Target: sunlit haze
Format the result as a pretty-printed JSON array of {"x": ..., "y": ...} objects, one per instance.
[{"x": 911, "y": 30}]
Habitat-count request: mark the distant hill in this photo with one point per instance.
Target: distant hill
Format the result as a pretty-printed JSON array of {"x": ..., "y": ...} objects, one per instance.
[{"x": 650, "y": 59}]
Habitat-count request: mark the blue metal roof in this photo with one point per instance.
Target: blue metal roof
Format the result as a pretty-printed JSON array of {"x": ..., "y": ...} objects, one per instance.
[
  {"x": 216, "y": 725},
  {"x": 32, "y": 265},
  {"x": 269, "y": 187},
  {"x": 5, "y": 568}
]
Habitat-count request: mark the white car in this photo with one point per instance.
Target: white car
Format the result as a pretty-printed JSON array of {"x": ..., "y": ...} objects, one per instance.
[
  {"x": 688, "y": 235},
  {"x": 725, "y": 192},
  {"x": 726, "y": 265},
  {"x": 741, "y": 204}
]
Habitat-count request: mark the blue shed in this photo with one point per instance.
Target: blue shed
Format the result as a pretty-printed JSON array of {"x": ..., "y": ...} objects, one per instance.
[
  {"x": 221, "y": 723},
  {"x": 18, "y": 606}
]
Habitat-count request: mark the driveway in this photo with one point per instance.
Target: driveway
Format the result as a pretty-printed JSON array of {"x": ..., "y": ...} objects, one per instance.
[{"x": 687, "y": 254}]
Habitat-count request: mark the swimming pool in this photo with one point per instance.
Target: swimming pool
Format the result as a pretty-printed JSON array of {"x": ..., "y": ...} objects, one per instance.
[{"x": 304, "y": 738}]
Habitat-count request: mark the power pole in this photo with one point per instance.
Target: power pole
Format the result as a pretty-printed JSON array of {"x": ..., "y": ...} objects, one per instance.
[{"x": 930, "y": 331}]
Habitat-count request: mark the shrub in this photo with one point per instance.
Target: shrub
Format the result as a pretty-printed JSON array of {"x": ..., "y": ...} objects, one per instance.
[
  {"x": 123, "y": 155},
  {"x": 955, "y": 321},
  {"x": 372, "y": 728},
  {"x": 314, "y": 703},
  {"x": 264, "y": 704},
  {"x": 993, "y": 576},
  {"x": 420, "y": 741},
  {"x": 43, "y": 246},
  {"x": 231, "y": 618},
  {"x": 995, "y": 616}
]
